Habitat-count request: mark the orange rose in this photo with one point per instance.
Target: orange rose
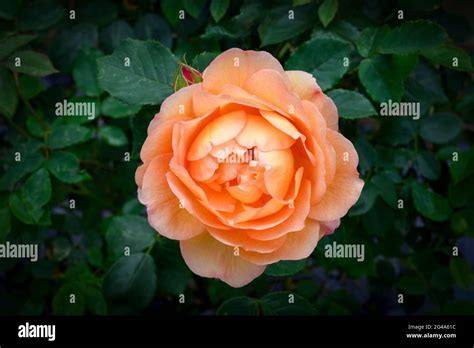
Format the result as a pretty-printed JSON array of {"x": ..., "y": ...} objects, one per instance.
[{"x": 247, "y": 168}]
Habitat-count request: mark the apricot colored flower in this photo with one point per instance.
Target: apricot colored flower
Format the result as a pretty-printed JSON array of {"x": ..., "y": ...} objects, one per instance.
[{"x": 247, "y": 168}]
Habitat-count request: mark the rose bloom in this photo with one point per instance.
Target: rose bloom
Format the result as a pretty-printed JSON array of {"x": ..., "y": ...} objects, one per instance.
[{"x": 247, "y": 168}]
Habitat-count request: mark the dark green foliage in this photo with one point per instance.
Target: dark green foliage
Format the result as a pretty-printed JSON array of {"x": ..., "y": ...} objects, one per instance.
[{"x": 67, "y": 183}]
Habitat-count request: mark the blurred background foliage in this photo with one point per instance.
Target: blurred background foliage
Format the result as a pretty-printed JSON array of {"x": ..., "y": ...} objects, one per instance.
[{"x": 92, "y": 161}]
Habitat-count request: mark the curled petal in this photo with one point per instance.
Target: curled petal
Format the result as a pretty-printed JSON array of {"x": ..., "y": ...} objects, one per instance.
[
  {"x": 165, "y": 213},
  {"x": 209, "y": 258},
  {"x": 298, "y": 245},
  {"x": 218, "y": 131},
  {"x": 235, "y": 66},
  {"x": 344, "y": 191},
  {"x": 303, "y": 84}
]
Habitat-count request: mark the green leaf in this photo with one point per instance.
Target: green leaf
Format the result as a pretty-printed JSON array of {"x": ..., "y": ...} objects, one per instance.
[
  {"x": 463, "y": 167},
  {"x": 22, "y": 211},
  {"x": 430, "y": 204},
  {"x": 327, "y": 11},
  {"x": 66, "y": 45},
  {"x": 366, "y": 200},
  {"x": 5, "y": 224},
  {"x": 427, "y": 165},
  {"x": 351, "y": 104},
  {"x": 322, "y": 57},
  {"x": 285, "y": 303},
  {"x": 9, "y": 9},
  {"x": 285, "y": 268},
  {"x": 369, "y": 40},
  {"x": 139, "y": 125},
  {"x": 240, "y": 305},
  {"x": 279, "y": 25},
  {"x": 462, "y": 222},
  {"x": 62, "y": 304},
  {"x": 37, "y": 189},
  {"x": 129, "y": 231},
  {"x": 65, "y": 167},
  {"x": 12, "y": 43},
  {"x": 219, "y": 8},
  {"x": 85, "y": 72},
  {"x": 386, "y": 188},
  {"x": 95, "y": 301},
  {"x": 412, "y": 37},
  {"x": 31, "y": 63},
  {"x": 8, "y": 97},
  {"x": 440, "y": 128},
  {"x": 132, "y": 206},
  {"x": 132, "y": 280},
  {"x": 398, "y": 131},
  {"x": 116, "y": 109},
  {"x": 94, "y": 256},
  {"x": 147, "y": 79},
  {"x": 41, "y": 14},
  {"x": 449, "y": 56},
  {"x": 30, "y": 86},
  {"x": 66, "y": 135},
  {"x": 153, "y": 27},
  {"x": 112, "y": 36},
  {"x": 412, "y": 285},
  {"x": 202, "y": 60},
  {"x": 461, "y": 272},
  {"x": 424, "y": 85},
  {"x": 170, "y": 9},
  {"x": 171, "y": 271},
  {"x": 114, "y": 136},
  {"x": 381, "y": 79},
  {"x": 194, "y": 7},
  {"x": 27, "y": 203},
  {"x": 29, "y": 163},
  {"x": 404, "y": 64},
  {"x": 97, "y": 12}
]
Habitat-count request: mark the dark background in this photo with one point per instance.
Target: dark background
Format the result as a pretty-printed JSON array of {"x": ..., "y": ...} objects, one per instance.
[{"x": 409, "y": 251}]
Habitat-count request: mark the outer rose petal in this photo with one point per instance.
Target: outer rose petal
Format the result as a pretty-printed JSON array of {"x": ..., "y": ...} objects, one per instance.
[
  {"x": 306, "y": 87},
  {"x": 303, "y": 83},
  {"x": 298, "y": 245},
  {"x": 328, "y": 227},
  {"x": 345, "y": 189},
  {"x": 210, "y": 258},
  {"x": 327, "y": 108},
  {"x": 164, "y": 211},
  {"x": 179, "y": 104},
  {"x": 235, "y": 66}
]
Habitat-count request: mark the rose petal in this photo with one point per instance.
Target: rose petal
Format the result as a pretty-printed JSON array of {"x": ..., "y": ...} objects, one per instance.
[
  {"x": 298, "y": 245},
  {"x": 295, "y": 222},
  {"x": 327, "y": 108},
  {"x": 239, "y": 238},
  {"x": 203, "y": 168},
  {"x": 344, "y": 191},
  {"x": 261, "y": 134},
  {"x": 303, "y": 83},
  {"x": 235, "y": 66},
  {"x": 218, "y": 131},
  {"x": 279, "y": 170},
  {"x": 163, "y": 208},
  {"x": 210, "y": 258}
]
